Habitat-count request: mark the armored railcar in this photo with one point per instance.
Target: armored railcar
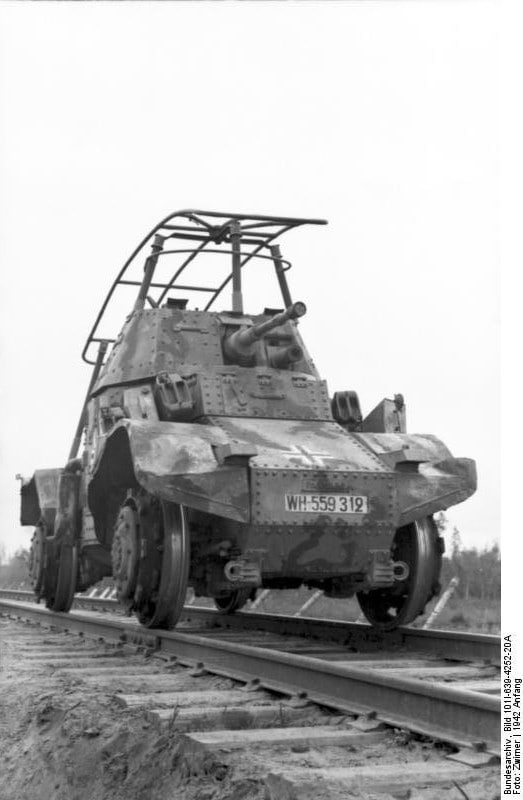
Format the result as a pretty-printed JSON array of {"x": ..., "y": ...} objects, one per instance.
[{"x": 213, "y": 455}]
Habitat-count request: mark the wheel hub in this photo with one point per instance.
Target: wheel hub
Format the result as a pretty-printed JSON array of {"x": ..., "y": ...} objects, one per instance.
[
  {"x": 37, "y": 560},
  {"x": 125, "y": 553}
]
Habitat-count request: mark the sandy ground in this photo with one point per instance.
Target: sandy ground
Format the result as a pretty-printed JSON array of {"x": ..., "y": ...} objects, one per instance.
[
  {"x": 61, "y": 742},
  {"x": 64, "y": 739}
]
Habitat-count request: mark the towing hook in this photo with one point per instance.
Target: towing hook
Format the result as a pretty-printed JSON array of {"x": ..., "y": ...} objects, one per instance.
[
  {"x": 400, "y": 570},
  {"x": 240, "y": 571}
]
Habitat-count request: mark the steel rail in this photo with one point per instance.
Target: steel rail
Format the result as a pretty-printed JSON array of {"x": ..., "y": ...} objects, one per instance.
[
  {"x": 451, "y": 645},
  {"x": 462, "y": 717}
]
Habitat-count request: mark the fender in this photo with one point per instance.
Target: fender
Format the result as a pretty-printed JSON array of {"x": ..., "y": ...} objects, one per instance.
[
  {"x": 39, "y": 497},
  {"x": 431, "y": 478},
  {"x": 67, "y": 524},
  {"x": 174, "y": 461}
]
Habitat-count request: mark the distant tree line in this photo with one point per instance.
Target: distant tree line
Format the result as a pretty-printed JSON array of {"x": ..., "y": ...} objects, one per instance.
[
  {"x": 14, "y": 570},
  {"x": 478, "y": 571}
]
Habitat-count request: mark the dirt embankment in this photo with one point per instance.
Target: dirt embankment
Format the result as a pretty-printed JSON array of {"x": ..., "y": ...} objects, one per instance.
[{"x": 62, "y": 741}]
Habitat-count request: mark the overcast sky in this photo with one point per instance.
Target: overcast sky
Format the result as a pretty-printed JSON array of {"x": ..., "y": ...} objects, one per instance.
[{"x": 380, "y": 117}]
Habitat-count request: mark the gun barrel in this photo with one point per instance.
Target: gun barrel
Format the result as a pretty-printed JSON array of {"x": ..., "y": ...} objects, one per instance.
[
  {"x": 248, "y": 336},
  {"x": 239, "y": 345}
]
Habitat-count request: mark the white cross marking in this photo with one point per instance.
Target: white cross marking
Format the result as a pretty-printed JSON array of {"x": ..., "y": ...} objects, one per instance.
[{"x": 309, "y": 456}]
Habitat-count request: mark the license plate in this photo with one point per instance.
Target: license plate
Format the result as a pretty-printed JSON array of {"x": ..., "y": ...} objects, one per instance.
[{"x": 326, "y": 503}]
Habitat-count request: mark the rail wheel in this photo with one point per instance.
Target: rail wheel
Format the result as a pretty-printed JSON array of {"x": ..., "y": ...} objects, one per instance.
[
  {"x": 233, "y": 601},
  {"x": 150, "y": 559},
  {"x": 37, "y": 558},
  {"x": 420, "y": 547},
  {"x": 61, "y": 580}
]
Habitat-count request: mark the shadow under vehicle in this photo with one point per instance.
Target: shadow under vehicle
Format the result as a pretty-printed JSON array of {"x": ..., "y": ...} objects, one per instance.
[{"x": 213, "y": 455}]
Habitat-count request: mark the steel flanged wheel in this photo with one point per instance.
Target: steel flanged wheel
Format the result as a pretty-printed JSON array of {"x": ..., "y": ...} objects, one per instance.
[
  {"x": 37, "y": 557},
  {"x": 419, "y": 547},
  {"x": 233, "y": 601},
  {"x": 60, "y": 595},
  {"x": 163, "y": 584},
  {"x": 151, "y": 558}
]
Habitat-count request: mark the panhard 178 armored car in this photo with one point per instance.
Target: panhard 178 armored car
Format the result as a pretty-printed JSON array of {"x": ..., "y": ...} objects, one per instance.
[{"x": 214, "y": 457}]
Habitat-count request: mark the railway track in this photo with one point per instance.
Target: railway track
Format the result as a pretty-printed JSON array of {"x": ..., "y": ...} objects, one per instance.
[
  {"x": 302, "y": 683},
  {"x": 460, "y": 646}
]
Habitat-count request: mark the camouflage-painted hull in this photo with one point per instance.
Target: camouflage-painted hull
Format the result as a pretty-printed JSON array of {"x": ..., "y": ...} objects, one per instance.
[
  {"x": 241, "y": 471},
  {"x": 214, "y": 453}
]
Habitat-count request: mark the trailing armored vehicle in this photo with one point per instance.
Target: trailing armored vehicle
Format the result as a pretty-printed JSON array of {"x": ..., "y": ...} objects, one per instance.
[{"x": 214, "y": 457}]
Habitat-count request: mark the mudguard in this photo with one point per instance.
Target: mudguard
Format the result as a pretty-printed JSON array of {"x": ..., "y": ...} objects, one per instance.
[
  {"x": 178, "y": 462},
  {"x": 431, "y": 479},
  {"x": 39, "y": 497}
]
